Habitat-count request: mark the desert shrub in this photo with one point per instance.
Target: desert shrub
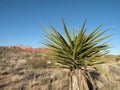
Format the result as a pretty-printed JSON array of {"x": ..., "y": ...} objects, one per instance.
[
  {"x": 117, "y": 59},
  {"x": 110, "y": 86},
  {"x": 37, "y": 63}
]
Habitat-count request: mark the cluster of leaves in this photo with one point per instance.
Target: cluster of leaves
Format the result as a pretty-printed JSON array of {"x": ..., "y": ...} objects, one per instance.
[{"x": 77, "y": 51}]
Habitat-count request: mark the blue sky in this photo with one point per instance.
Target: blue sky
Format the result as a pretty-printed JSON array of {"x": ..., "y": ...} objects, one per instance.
[{"x": 21, "y": 20}]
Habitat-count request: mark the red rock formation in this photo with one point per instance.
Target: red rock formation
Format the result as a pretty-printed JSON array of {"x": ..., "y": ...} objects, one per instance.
[
  {"x": 40, "y": 50},
  {"x": 14, "y": 47},
  {"x": 28, "y": 48}
]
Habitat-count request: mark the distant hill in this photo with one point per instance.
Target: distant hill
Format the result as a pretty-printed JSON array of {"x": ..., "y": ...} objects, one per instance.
[{"x": 28, "y": 48}]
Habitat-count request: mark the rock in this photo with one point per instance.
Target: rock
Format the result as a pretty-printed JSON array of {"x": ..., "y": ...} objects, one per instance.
[{"x": 28, "y": 48}]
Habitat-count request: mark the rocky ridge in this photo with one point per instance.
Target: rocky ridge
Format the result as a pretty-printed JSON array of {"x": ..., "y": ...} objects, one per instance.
[{"x": 28, "y": 48}]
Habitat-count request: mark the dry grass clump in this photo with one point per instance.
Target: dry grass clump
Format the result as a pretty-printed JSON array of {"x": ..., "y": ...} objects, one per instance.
[
  {"x": 37, "y": 63},
  {"x": 37, "y": 60},
  {"x": 111, "y": 86},
  {"x": 117, "y": 58}
]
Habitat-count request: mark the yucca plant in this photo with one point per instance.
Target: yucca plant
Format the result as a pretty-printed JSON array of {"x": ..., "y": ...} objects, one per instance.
[{"x": 76, "y": 52}]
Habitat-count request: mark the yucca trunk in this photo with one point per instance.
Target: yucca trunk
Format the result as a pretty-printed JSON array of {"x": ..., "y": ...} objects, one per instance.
[{"x": 77, "y": 80}]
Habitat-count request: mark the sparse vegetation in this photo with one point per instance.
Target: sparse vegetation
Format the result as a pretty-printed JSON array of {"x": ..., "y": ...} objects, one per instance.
[
  {"x": 17, "y": 74},
  {"x": 37, "y": 63}
]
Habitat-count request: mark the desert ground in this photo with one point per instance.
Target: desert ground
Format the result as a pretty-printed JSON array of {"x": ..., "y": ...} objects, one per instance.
[{"x": 30, "y": 70}]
